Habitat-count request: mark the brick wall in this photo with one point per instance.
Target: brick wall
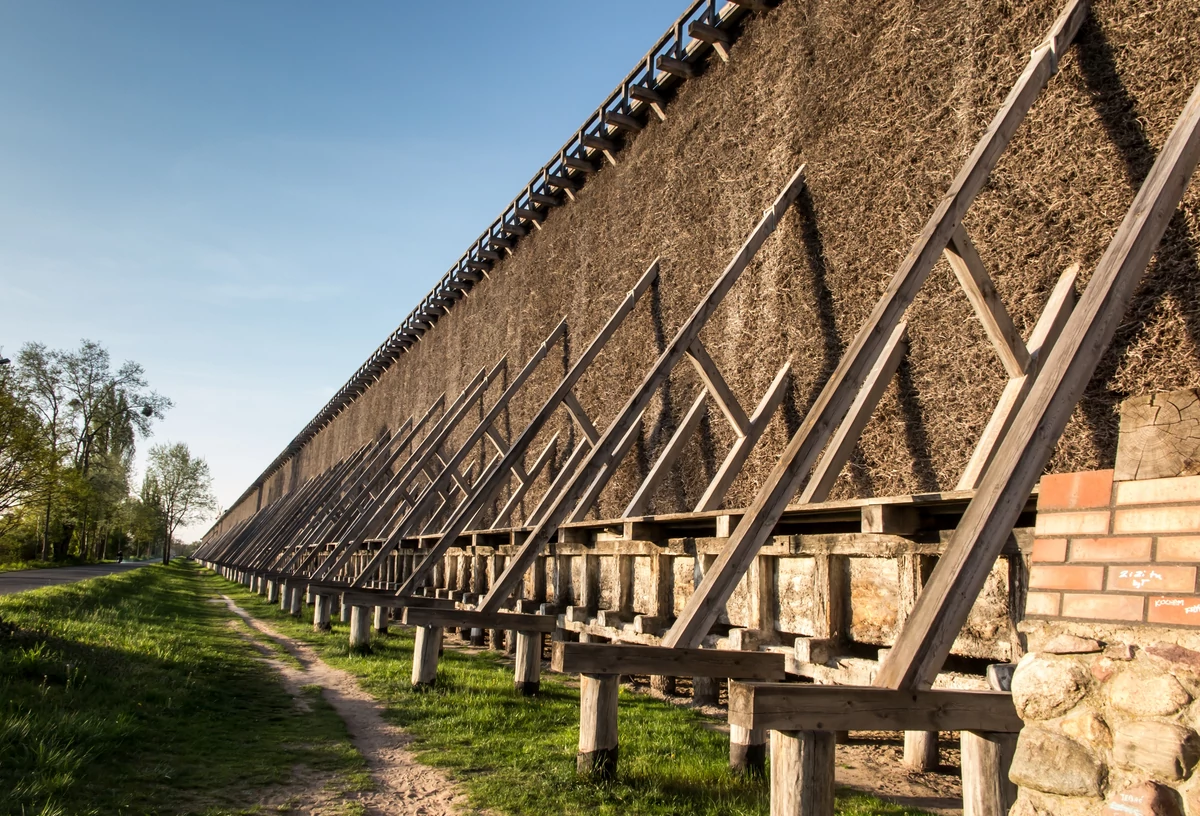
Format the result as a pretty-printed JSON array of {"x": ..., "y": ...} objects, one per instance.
[{"x": 1116, "y": 551}]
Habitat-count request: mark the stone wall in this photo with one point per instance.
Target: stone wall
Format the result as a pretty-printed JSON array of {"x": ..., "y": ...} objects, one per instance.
[{"x": 1110, "y": 685}]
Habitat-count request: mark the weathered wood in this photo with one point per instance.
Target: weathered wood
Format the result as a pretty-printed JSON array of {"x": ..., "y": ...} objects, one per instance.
[
  {"x": 923, "y": 644},
  {"x": 748, "y": 750},
  {"x": 379, "y": 621},
  {"x": 718, "y": 388},
  {"x": 1160, "y": 436},
  {"x": 469, "y": 618},
  {"x": 623, "y": 121},
  {"x": 985, "y": 300},
  {"x": 792, "y": 707},
  {"x": 836, "y": 396},
  {"x": 426, "y": 647},
  {"x": 890, "y": 519},
  {"x": 360, "y": 626},
  {"x": 670, "y": 454},
  {"x": 321, "y": 613},
  {"x": 802, "y": 773},
  {"x": 528, "y": 674},
  {"x": 1047, "y": 329},
  {"x": 577, "y": 658},
  {"x": 921, "y": 750},
  {"x": 986, "y": 758},
  {"x": 597, "y": 726}
]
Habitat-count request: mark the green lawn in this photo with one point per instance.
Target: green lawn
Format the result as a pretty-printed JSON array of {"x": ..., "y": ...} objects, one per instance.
[
  {"x": 516, "y": 755},
  {"x": 132, "y": 694}
]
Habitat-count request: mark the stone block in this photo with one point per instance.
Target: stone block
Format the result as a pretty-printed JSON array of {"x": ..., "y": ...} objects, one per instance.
[
  {"x": 1070, "y": 644},
  {"x": 1088, "y": 728},
  {"x": 1044, "y": 687},
  {"x": 1146, "y": 799},
  {"x": 1052, "y": 763},
  {"x": 1161, "y": 749},
  {"x": 1146, "y": 694}
]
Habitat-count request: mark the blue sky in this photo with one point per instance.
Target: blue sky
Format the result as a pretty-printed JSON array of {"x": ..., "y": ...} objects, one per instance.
[{"x": 246, "y": 197}]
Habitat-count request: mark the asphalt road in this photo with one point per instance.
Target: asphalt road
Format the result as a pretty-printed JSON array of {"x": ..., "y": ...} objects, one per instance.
[{"x": 22, "y": 580}]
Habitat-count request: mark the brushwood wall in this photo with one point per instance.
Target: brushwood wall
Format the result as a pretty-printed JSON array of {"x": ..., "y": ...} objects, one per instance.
[{"x": 883, "y": 102}]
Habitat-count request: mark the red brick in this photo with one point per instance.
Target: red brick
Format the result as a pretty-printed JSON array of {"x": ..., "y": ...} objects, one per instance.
[
  {"x": 1049, "y": 549},
  {"x": 1152, "y": 578},
  {"x": 1091, "y": 522},
  {"x": 1178, "y": 611},
  {"x": 1042, "y": 603},
  {"x": 1102, "y": 607},
  {"x": 1178, "y": 548},
  {"x": 1181, "y": 519},
  {"x": 1047, "y": 577},
  {"x": 1071, "y": 491},
  {"x": 1111, "y": 548}
]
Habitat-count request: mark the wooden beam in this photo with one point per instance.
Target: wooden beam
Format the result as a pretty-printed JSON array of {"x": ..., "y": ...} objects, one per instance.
[
  {"x": 714, "y": 494},
  {"x": 579, "y": 163},
  {"x": 470, "y": 619},
  {"x": 985, "y": 300},
  {"x": 795, "y": 707},
  {"x": 563, "y": 182},
  {"x": 718, "y": 38},
  {"x": 839, "y": 391},
  {"x": 820, "y": 485},
  {"x": 582, "y": 420},
  {"x": 1054, "y": 316},
  {"x": 713, "y": 380},
  {"x": 678, "y": 67},
  {"x": 670, "y": 454},
  {"x": 600, "y": 658},
  {"x": 925, "y": 640},
  {"x": 623, "y": 121},
  {"x": 592, "y": 494}
]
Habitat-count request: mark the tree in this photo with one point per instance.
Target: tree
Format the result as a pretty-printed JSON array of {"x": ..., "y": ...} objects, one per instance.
[
  {"x": 23, "y": 454},
  {"x": 180, "y": 486}
]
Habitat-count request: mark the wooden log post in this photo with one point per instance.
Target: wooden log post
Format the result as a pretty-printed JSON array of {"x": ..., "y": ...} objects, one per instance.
[
  {"x": 425, "y": 655},
  {"x": 748, "y": 746},
  {"x": 360, "y": 627},
  {"x": 986, "y": 757},
  {"x": 283, "y": 596},
  {"x": 343, "y": 608},
  {"x": 748, "y": 750},
  {"x": 528, "y": 676},
  {"x": 380, "y": 622},
  {"x": 294, "y": 601},
  {"x": 597, "y": 756},
  {"x": 272, "y": 592},
  {"x": 478, "y": 589},
  {"x": 920, "y": 747},
  {"x": 321, "y": 613},
  {"x": 802, "y": 773},
  {"x": 495, "y": 566},
  {"x": 662, "y": 584},
  {"x": 705, "y": 690}
]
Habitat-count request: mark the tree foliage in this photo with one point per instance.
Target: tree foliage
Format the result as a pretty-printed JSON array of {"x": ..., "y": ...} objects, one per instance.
[{"x": 180, "y": 487}]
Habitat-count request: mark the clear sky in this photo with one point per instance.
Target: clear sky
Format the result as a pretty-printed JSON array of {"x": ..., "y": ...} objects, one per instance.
[{"x": 247, "y": 197}]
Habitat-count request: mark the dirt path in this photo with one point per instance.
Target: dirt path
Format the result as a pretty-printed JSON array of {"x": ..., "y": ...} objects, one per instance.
[{"x": 404, "y": 787}]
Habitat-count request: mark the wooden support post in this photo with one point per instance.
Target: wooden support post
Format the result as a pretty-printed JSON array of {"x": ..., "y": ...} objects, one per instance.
[
  {"x": 283, "y": 596},
  {"x": 597, "y": 756},
  {"x": 528, "y": 676},
  {"x": 321, "y": 613},
  {"x": 662, "y": 578},
  {"x": 272, "y": 591},
  {"x": 380, "y": 623},
  {"x": 986, "y": 757},
  {"x": 921, "y": 750},
  {"x": 343, "y": 609},
  {"x": 294, "y": 605},
  {"x": 705, "y": 690},
  {"x": 425, "y": 655},
  {"x": 360, "y": 627},
  {"x": 748, "y": 750},
  {"x": 802, "y": 773},
  {"x": 920, "y": 747}
]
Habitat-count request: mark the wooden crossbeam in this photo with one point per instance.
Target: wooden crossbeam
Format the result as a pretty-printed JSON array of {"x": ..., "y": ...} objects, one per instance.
[
  {"x": 599, "y": 463},
  {"x": 602, "y": 658},
  {"x": 714, "y": 494},
  {"x": 842, "y": 444},
  {"x": 925, "y": 640},
  {"x": 526, "y": 483},
  {"x": 718, "y": 388},
  {"x": 652, "y": 97},
  {"x": 1054, "y": 316},
  {"x": 593, "y": 491},
  {"x": 623, "y": 121},
  {"x": 581, "y": 418},
  {"x": 670, "y": 454},
  {"x": 985, "y": 300},
  {"x": 838, "y": 394},
  {"x": 718, "y": 38}
]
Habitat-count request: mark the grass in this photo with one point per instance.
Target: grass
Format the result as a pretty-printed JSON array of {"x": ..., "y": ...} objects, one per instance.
[
  {"x": 132, "y": 694},
  {"x": 516, "y": 755},
  {"x": 18, "y": 566}
]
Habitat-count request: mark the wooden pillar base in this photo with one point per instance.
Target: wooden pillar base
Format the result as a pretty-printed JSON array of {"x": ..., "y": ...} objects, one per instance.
[
  {"x": 360, "y": 629},
  {"x": 425, "y": 655},
  {"x": 272, "y": 592},
  {"x": 748, "y": 751},
  {"x": 344, "y": 609},
  {"x": 705, "y": 691},
  {"x": 986, "y": 758},
  {"x": 321, "y": 613},
  {"x": 477, "y": 637},
  {"x": 921, "y": 750},
  {"x": 294, "y": 604},
  {"x": 283, "y": 596},
  {"x": 380, "y": 622},
  {"x": 597, "y": 756},
  {"x": 802, "y": 771},
  {"x": 527, "y": 679}
]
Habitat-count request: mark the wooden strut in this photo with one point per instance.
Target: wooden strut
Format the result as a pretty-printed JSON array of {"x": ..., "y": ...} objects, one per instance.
[
  {"x": 599, "y": 462},
  {"x": 925, "y": 640},
  {"x": 839, "y": 393}
]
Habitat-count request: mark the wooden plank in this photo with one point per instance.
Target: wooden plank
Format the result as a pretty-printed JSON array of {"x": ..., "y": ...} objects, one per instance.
[
  {"x": 525, "y": 483},
  {"x": 582, "y": 420},
  {"x": 678, "y": 67},
  {"x": 924, "y": 642},
  {"x": 470, "y": 619},
  {"x": 713, "y": 380},
  {"x": 623, "y": 121},
  {"x": 731, "y": 466},
  {"x": 600, "y": 658},
  {"x": 599, "y": 463},
  {"x": 825, "y": 476},
  {"x": 794, "y": 707},
  {"x": 1047, "y": 329},
  {"x": 670, "y": 454},
  {"x": 803, "y": 767},
  {"x": 837, "y": 395},
  {"x": 985, "y": 300},
  {"x": 592, "y": 494}
]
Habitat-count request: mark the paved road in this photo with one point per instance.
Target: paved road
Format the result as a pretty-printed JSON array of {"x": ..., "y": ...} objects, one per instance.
[{"x": 22, "y": 580}]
